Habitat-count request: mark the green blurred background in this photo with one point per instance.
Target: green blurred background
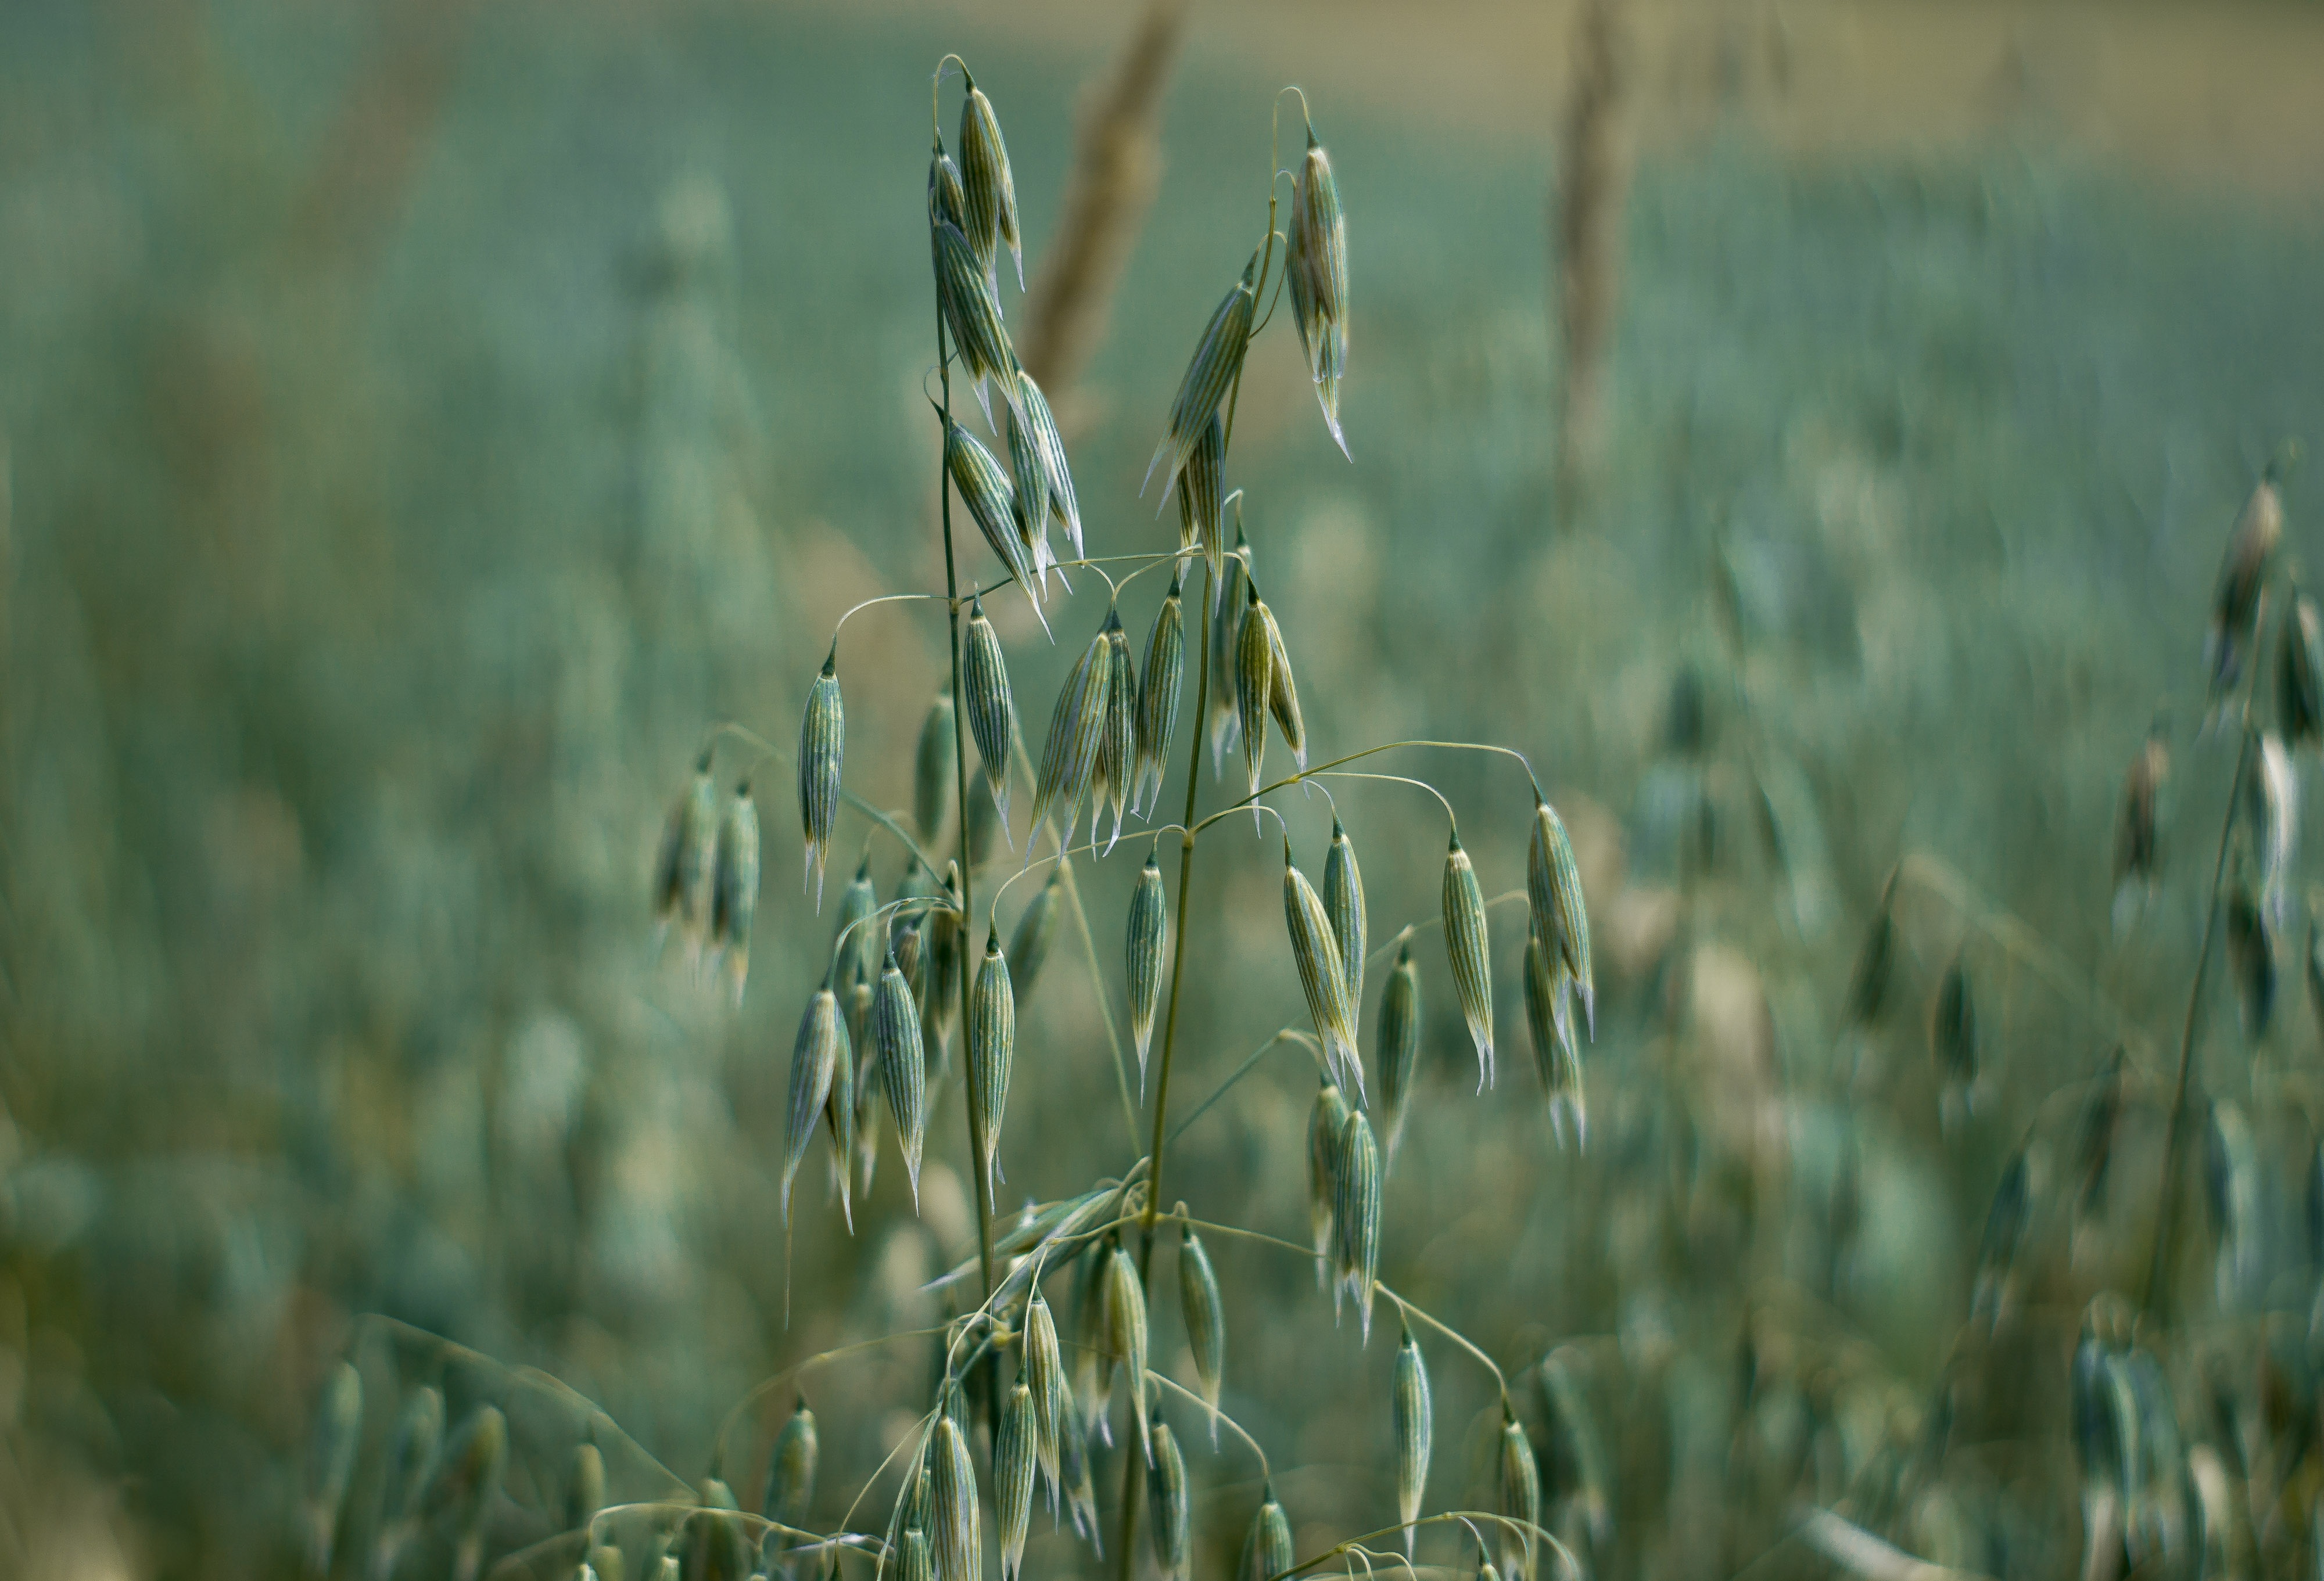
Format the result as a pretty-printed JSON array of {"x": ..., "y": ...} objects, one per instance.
[{"x": 422, "y": 422}]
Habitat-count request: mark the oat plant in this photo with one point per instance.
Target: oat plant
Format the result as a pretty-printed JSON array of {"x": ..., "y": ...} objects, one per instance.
[{"x": 1022, "y": 1403}]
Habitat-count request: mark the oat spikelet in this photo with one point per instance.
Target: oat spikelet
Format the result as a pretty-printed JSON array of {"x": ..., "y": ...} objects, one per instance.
[
  {"x": 855, "y": 941},
  {"x": 1414, "y": 1423},
  {"x": 972, "y": 314},
  {"x": 735, "y": 888},
  {"x": 1322, "y": 976},
  {"x": 2251, "y": 960},
  {"x": 1218, "y": 358},
  {"x": 331, "y": 1460},
  {"x": 1050, "y": 445},
  {"x": 992, "y": 1049},
  {"x": 1029, "y": 506},
  {"x": 944, "y": 950},
  {"x": 1398, "y": 1044},
  {"x": 1254, "y": 678},
  {"x": 1069, "y": 760},
  {"x": 1117, "y": 756},
  {"x": 947, "y": 200},
  {"x": 1206, "y": 1327},
  {"x": 932, "y": 768},
  {"x": 680, "y": 857},
  {"x": 2137, "y": 841},
  {"x": 2272, "y": 807},
  {"x": 2006, "y": 1223},
  {"x": 1081, "y": 1494},
  {"x": 1148, "y": 940},
  {"x": 1315, "y": 265},
  {"x": 917, "y": 1563},
  {"x": 903, "y": 1068},
  {"x": 815, "y": 1053},
  {"x": 1868, "y": 988},
  {"x": 2300, "y": 675},
  {"x": 1166, "y": 1481},
  {"x": 1580, "y": 1452},
  {"x": 1520, "y": 1497},
  {"x": 1554, "y": 893},
  {"x": 1201, "y": 484},
  {"x": 868, "y": 1083},
  {"x": 992, "y": 500},
  {"x": 1325, "y": 1123},
  {"x": 1266, "y": 1552},
  {"x": 2231, "y": 1179},
  {"x": 1356, "y": 1215},
  {"x": 1344, "y": 900},
  {"x": 1952, "y": 1045},
  {"x": 990, "y": 190},
  {"x": 791, "y": 1470},
  {"x": 1468, "y": 946},
  {"x": 1013, "y": 1465},
  {"x": 2243, "y": 574},
  {"x": 1158, "y": 695},
  {"x": 1125, "y": 1333},
  {"x": 1036, "y": 931},
  {"x": 952, "y": 1504},
  {"x": 991, "y": 715},
  {"x": 1229, "y": 593},
  {"x": 1555, "y": 1054},
  {"x": 821, "y": 743},
  {"x": 1044, "y": 1372},
  {"x": 839, "y": 1104},
  {"x": 1282, "y": 695}
]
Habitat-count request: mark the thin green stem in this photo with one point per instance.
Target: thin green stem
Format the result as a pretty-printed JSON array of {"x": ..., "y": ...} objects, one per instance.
[
  {"x": 767, "y": 748},
  {"x": 1291, "y": 779},
  {"x": 1103, "y": 995},
  {"x": 1286, "y": 1034},
  {"x": 1216, "y": 1414},
  {"x": 981, "y": 1186}
]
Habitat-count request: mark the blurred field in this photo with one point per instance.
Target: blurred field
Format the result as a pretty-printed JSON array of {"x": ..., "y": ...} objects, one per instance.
[{"x": 421, "y": 423}]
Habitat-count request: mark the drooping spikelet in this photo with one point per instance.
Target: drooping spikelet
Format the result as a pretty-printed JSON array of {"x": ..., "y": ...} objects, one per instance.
[
  {"x": 1014, "y": 1461},
  {"x": 1125, "y": 1332},
  {"x": 1166, "y": 1481},
  {"x": 1468, "y": 947},
  {"x": 1356, "y": 1215},
  {"x": 1398, "y": 1041},
  {"x": 944, "y": 950},
  {"x": 2243, "y": 575},
  {"x": 1282, "y": 694},
  {"x": 1147, "y": 940},
  {"x": 1315, "y": 265},
  {"x": 1520, "y": 1497},
  {"x": 1325, "y": 1123},
  {"x": 821, "y": 743},
  {"x": 1953, "y": 1044},
  {"x": 685, "y": 865},
  {"x": 1266, "y": 1552},
  {"x": 916, "y": 1562},
  {"x": 991, "y": 715},
  {"x": 1554, "y": 1056},
  {"x": 1198, "y": 1301},
  {"x": 1579, "y": 1450},
  {"x": 903, "y": 1068},
  {"x": 992, "y": 1049},
  {"x": 1228, "y": 596},
  {"x": 1037, "y": 929},
  {"x": 1042, "y": 426},
  {"x": 1218, "y": 358},
  {"x": 1030, "y": 503},
  {"x": 932, "y": 768},
  {"x": 816, "y": 1052},
  {"x": 989, "y": 191},
  {"x": 331, "y": 1460},
  {"x": 1074, "y": 1473},
  {"x": 1322, "y": 976},
  {"x": 1117, "y": 755},
  {"x": 1044, "y": 1371},
  {"x": 1344, "y": 900},
  {"x": 1069, "y": 760},
  {"x": 1413, "y": 1421},
  {"x": 1554, "y": 894},
  {"x": 790, "y": 1471},
  {"x": 2138, "y": 838},
  {"x": 1254, "y": 676},
  {"x": 2300, "y": 675},
  {"x": 1158, "y": 695},
  {"x": 854, "y": 937},
  {"x": 1202, "y": 482},
  {"x": 952, "y": 1504},
  {"x": 991, "y": 499},
  {"x": 735, "y": 887},
  {"x": 974, "y": 317},
  {"x": 947, "y": 199}
]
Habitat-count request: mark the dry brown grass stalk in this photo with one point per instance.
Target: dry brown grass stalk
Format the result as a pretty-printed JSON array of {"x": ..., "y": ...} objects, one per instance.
[
  {"x": 1117, "y": 164},
  {"x": 1586, "y": 214}
]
